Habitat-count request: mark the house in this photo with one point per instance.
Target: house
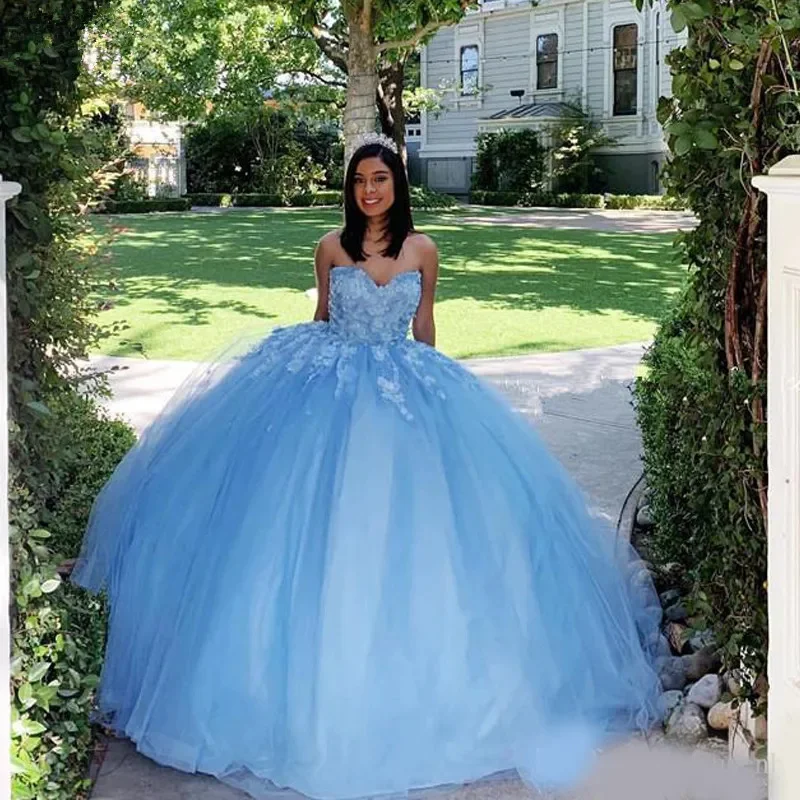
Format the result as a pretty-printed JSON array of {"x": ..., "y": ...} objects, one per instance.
[
  {"x": 158, "y": 158},
  {"x": 511, "y": 64}
]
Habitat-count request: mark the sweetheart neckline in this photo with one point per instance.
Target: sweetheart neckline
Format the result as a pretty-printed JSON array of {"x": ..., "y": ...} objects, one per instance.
[{"x": 371, "y": 279}]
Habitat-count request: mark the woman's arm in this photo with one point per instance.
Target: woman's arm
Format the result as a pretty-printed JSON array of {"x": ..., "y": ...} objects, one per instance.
[
  {"x": 424, "y": 327},
  {"x": 322, "y": 271}
]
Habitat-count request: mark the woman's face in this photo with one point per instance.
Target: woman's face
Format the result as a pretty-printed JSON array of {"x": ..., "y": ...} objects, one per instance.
[{"x": 373, "y": 186}]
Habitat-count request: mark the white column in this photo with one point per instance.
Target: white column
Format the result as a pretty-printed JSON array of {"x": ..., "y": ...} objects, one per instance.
[
  {"x": 7, "y": 191},
  {"x": 782, "y": 185}
]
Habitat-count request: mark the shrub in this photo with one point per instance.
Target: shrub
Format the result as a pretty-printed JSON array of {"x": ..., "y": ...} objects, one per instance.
[
  {"x": 423, "y": 199},
  {"x": 573, "y": 142},
  {"x": 262, "y": 151},
  {"x": 210, "y": 200},
  {"x": 58, "y": 630},
  {"x": 146, "y": 206},
  {"x": 532, "y": 199},
  {"x": 509, "y": 161},
  {"x": 733, "y": 113},
  {"x": 660, "y": 202}
]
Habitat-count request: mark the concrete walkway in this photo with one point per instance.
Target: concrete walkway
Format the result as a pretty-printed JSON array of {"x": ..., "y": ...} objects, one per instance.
[{"x": 595, "y": 219}]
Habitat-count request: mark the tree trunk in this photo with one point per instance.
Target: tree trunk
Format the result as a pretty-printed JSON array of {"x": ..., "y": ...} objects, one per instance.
[
  {"x": 362, "y": 80},
  {"x": 390, "y": 105}
]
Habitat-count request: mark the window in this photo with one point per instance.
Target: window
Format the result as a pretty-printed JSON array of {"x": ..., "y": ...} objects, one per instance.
[
  {"x": 547, "y": 61},
  {"x": 625, "y": 69},
  {"x": 469, "y": 69}
]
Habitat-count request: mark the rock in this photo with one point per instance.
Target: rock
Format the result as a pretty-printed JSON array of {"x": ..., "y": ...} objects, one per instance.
[
  {"x": 706, "y": 692},
  {"x": 672, "y": 569},
  {"x": 720, "y": 716},
  {"x": 644, "y": 517},
  {"x": 668, "y": 702},
  {"x": 701, "y": 663},
  {"x": 672, "y": 672},
  {"x": 676, "y": 635},
  {"x": 670, "y": 597},
  {"x": 676, "y": 612},
  {"x": 688, "y": 724},
  {"x": 701, "y": 640}
]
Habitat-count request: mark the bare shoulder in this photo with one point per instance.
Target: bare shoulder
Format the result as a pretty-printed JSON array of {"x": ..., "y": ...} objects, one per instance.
[
  {"x": 329, "y": 240},
  {"x": 424, "y": 247},
  {"x": 327, "y": 247}
]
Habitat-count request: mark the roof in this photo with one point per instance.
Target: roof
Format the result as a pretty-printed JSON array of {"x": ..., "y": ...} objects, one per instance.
[{"x": 533, "y": 110}]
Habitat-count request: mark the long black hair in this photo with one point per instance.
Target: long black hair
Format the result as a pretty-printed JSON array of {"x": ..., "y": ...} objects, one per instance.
[{"x": 400, "y": 223}]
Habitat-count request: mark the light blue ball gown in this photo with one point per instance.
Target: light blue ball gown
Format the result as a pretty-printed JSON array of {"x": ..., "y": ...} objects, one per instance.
[{"x": 341, "y": 566}]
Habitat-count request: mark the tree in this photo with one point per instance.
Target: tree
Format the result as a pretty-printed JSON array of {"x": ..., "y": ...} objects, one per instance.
[
  {"x": 371, "y": 40},
  {"x": 182, "y": 58}
]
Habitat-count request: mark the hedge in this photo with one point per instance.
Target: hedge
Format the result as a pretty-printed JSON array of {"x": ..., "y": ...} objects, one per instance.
[
  {"x": 261, "y": 200},
  {"x": 421, "y": 199},
  {"x": 145, "y": 206},
  {"x": 610, "y": 201}
]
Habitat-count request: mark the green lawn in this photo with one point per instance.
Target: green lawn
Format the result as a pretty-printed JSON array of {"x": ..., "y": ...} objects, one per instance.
[{"x": 188, "y": 284}]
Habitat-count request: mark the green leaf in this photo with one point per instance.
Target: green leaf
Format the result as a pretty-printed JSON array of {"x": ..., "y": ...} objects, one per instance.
[
  {"x": 51, "y": 585},
  {"x": 40, "y": 533},
  {"x": 25, "y": 693},
  {"x": 28, "y": 727},
  {"x": 678, "y": 20},
  {"x": 735, "y": 65},
  {"x": 38, "y": 671},
  {"x": 38, "y": 406},
  {"x": 713, "y": 63},
  {"x": 705, "y": 140},
  {"x": 21, "y": 135},
  {"x": 693, "y": 11},
  {"x": 683, "y": 145}
]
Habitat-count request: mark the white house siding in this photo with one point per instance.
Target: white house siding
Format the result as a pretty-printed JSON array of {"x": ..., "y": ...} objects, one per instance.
[
  {"x": 596, "y": 74},
  {"x": 507, "y": 41},
  {"x": 507, "y": 64},
  {"x": 506, "y": 36},
  {"x": 453, "y": 128},
  {"x": 572, "y": 43}
]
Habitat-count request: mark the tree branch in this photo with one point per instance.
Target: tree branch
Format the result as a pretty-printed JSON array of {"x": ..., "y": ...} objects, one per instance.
[
  {"x": 331, "y": 46},
  {"x": 414, "y": 40},
  {"x": 321, "y": 78}
]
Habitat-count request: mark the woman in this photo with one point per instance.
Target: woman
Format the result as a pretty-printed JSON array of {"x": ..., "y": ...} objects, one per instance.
[{"x": 340, "y": 566}]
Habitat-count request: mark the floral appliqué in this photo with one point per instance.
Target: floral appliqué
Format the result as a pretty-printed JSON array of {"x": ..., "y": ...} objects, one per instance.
[{"x": 367, "y": 329}]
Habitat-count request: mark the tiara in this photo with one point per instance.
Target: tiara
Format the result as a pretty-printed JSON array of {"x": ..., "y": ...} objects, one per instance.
[{"x": 376, "y": 138}]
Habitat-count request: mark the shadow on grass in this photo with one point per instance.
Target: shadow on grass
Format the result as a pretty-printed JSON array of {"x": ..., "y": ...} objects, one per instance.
[{"x": 181, "y": 260}]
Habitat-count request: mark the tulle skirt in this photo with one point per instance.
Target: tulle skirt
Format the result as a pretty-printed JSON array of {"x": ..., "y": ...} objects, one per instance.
[{"x": 342, "y": 570}]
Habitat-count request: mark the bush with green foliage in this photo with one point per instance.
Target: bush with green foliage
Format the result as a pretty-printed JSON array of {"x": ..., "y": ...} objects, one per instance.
[
  {"x": 148, "y": 206},
  {"x": 510, "y": 161},
  {"x": 264, "y": 151},
  {"x": 58, "y": 629},
  {"x": 734, "y": 112},
  {"x": 574, "y": 140},
  {"x": 424, "y": 199},
  {"x": 568, "y": 200},
  {"x": 52, "y": 277},
  {"x": 658, "y": 202}
]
